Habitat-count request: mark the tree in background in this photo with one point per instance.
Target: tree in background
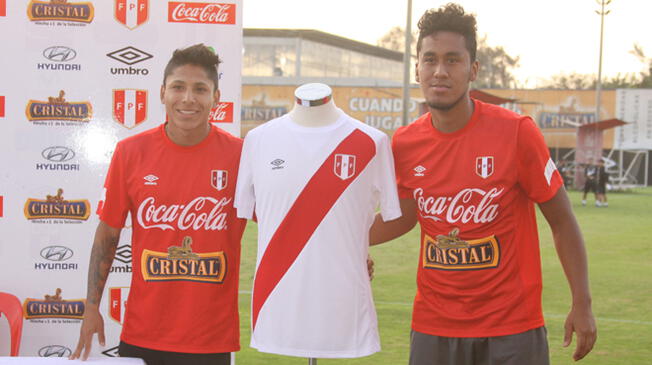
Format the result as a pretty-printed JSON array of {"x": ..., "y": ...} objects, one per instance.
[{"x": 646, "y": 75}]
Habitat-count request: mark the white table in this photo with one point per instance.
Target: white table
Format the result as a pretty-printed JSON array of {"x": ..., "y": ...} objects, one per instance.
[{"x": 20, "y": 360}]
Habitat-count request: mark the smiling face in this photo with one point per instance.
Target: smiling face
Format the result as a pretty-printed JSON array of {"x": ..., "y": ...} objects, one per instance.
[
  {"x": 444, "y": 70},
  {"x": 188, "y": 95}
]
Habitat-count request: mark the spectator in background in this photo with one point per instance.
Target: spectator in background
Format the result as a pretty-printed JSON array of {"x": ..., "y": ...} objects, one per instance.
[
  {"x": 590, "y": 181},
  {"x": 601, "y": 185}
]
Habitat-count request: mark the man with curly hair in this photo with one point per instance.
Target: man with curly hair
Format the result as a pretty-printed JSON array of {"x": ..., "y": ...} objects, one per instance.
[{"x": 470, "y": 173}]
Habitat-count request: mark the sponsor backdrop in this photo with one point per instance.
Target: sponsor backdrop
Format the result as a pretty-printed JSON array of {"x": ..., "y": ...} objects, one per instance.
[{"x": 76, "y": 77}]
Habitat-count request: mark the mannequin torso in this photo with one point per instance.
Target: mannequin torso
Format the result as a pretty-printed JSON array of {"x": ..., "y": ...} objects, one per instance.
[{"x": 314, "y": 106}]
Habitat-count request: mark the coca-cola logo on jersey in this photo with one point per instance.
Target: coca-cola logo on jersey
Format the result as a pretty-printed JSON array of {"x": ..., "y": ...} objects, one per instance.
[
  {"x": 206, "y": 13},
  {"x": 469, "y": 205},
  {"x": 201, "y": 213}
]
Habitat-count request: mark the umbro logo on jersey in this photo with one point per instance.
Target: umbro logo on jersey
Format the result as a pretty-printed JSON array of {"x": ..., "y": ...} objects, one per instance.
[
  {"x": 150, "y": 179},
  {"x": 484, "y": 166},
  {"x": 278, "y": 164},
  {"x": 418, "y": 171}
]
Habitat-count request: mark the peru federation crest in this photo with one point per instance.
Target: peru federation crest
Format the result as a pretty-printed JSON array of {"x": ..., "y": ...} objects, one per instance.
[
  {"x": 219, "y": 179},
  {"x": 129, "y": 107},
  {"x": 344, "y": 166},
  {"x": 131, "y": 13},
  {"x": 484, "y": 166},
  {"x": 118, "y": 303}
]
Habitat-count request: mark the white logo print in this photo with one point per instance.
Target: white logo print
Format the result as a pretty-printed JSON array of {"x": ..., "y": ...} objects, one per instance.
[
  {"x": 457, "y": 209},
  {"x": 185, "y": 216},
  {"x": 419, "y": 170},
  {"x": 344, "y": 166},
  {"x": 150, "y": 179}
]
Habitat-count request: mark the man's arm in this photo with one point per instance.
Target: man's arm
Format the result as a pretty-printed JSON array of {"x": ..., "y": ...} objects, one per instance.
[
  {"x": 104, "y": 246},
  {"x": 572, "y": 255},
  {"x": 382, "y": 231}
]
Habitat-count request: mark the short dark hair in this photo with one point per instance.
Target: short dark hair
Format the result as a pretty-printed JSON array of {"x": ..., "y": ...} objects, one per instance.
[
  {"x": 452, "y": 18},
  {"x": 199, "y": 55}
]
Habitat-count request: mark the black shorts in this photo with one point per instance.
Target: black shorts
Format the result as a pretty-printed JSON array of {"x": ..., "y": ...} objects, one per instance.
[
  {"x": 529, "y": 347},
  {"x": 589, "y": 185},
  {"x": 601, "y": 188},
  {"x": 156, "y": 357}
]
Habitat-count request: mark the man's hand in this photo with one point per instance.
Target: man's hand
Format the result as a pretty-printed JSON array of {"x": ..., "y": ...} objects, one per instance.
[
  {"x": 581, "y": 322},
  {"x": 93, "y": 323},
  {"x": 370, "y": 267}
]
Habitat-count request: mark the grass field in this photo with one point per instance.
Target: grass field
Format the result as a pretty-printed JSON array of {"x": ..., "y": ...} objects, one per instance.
[{"x": 620, "y": 264}]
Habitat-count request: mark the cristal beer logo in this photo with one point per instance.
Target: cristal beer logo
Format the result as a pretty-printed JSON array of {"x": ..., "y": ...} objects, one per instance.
[
  {"x": 202, "y": 213},
  {"x": 222, "y": 113},
  {"x": 463, "y": 207},
  {"x": 57, "y": 108},
  {"x": 60, "y": 10},
  {"x": 450, "y": 252},
  {"x": 129, "y": 107},
  {"x": 180, "y": 263},
  {"x": 207, "y": 13},
  {"x": 53, "y": 306},
  {"x": 56, "y": 207},
  {"x": 131, "y": 13}
]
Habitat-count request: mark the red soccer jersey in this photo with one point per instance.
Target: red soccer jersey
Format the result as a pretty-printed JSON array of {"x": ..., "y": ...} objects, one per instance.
[
  {"x": 479, "y": 269},
  {"x": 185, "y": 241}
]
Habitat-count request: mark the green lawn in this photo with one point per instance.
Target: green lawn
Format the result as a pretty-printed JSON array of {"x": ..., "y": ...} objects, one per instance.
[{"x": 620, "y": 267}]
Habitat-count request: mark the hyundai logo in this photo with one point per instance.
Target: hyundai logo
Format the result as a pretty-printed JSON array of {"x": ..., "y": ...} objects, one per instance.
[
  {"x": 59, "y": 53},
  {"x": 58, "y": 154},
  {"x": 54, "y": 351},
  {"x": 56, "y": 253}
]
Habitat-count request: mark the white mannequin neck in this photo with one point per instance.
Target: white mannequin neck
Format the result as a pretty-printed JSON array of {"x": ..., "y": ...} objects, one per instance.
[{"x": 318, "y": 115}]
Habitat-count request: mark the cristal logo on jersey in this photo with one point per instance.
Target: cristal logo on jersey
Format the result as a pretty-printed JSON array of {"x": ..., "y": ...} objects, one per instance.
[
  {"x": 118, "y": 303},
  {"x": 222, "y": 113},
  {"x": 181, "y": 263},
  {"x": 468, "y": 205},
  {"x": 207, "y": 13},
  {"x": 129, "y": 107},
  {"x": 60, "y": 10},
  {"x": 53, "y": 306},
  {"x": 57, "y": 108},
  {"x": 54, "y": 206},
  {"x": 344, "y": 166},
  {"x": 450, "y": 252},
  {"x": 484, "y": 166},
  {"x": 219, "y": 179},
  {"x": 131, "y": 13},
  {"x": 201, "y": 213}
]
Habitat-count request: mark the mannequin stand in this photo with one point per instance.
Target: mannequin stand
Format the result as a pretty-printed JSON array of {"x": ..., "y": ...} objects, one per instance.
[{"x": 312, "y": 361}]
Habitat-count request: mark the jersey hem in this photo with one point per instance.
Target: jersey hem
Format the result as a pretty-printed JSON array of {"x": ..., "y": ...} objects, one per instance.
[
  {"x": 316, "y": 354},
  {"x": 182, "y": 349},
  {"x": 494, "y": 332}
]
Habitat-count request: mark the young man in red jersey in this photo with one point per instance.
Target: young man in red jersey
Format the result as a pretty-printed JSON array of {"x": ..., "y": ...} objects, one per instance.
[
  {"x": 470, "y": 173},
  {"x": 177, "y": 181}
]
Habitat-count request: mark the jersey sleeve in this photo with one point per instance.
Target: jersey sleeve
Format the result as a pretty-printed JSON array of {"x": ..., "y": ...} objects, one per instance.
[
  {"x": 116, "y": 203},
  {"x": 403, "y": 191},
  {"x": 386, "y": 181},
  {"x": 537, "y": 173},
  {"x": 245, "y": 196}
]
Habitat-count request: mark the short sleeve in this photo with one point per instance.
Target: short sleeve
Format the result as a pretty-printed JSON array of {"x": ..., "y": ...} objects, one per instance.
[
  {"x": 245, "y": 197},
  {"x": 386, "y": 181},
  {"x": 537, "y": 173},
  {"x": 116, "y": 202},
  {"x": 403, "y": 191}
]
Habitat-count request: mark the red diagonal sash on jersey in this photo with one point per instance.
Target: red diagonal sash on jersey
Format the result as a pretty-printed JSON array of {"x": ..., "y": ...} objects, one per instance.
[{"x": 305, "y": 215}]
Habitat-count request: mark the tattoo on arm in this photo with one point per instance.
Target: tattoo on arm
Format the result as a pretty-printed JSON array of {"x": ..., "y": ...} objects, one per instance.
[{"x": 99, "y": 266}]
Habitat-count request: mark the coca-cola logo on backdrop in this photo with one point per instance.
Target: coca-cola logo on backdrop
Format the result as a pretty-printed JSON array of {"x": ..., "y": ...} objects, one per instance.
[
  {"x": 205, "y": 13},
  {"x": 223, "y": 113}
]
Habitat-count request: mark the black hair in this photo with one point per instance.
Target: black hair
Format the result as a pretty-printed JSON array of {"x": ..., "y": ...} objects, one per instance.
[
  {"x": 199, "y": 55},
  {"x": 452, "y": 18}
]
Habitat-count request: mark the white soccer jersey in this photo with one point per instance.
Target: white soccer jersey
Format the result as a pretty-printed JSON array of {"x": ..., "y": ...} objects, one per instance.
[{"x": 315, "y": 191}]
